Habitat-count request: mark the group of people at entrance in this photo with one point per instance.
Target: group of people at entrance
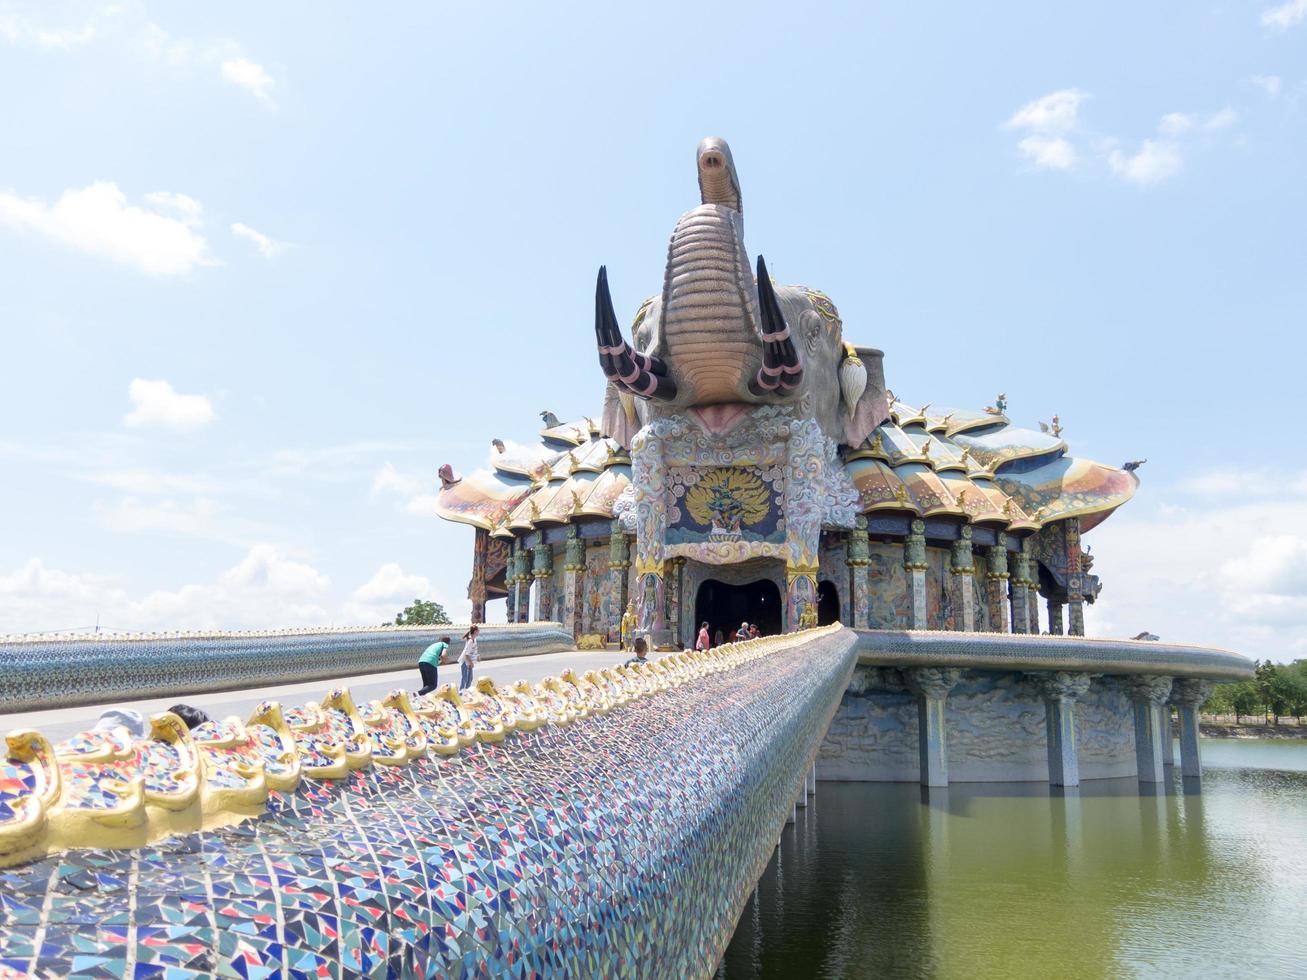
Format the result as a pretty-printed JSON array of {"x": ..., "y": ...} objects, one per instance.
[
  {"x": 747, "y": 631},
  {"x": 437, "y": 655}
]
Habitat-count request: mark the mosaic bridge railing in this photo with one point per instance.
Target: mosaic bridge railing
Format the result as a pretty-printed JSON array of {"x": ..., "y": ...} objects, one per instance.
[
  {"x": 43, "y": 671},
  {"x": 607, "y": 824},
  {"x": 1016, "y": 651}
]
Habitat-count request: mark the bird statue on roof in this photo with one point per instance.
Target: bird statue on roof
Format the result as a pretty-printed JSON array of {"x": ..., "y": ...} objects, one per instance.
[
  {"x": 999, "y": 406},
  {"x": 1133, "y": 465},
  {"x": 549, "y": 419},
  {"x": 447, "y": 478},
  {"x": 498, "y": 444}
]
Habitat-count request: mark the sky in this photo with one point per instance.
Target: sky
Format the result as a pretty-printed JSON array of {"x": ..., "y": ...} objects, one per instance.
[{"x": 263, "y": 268}]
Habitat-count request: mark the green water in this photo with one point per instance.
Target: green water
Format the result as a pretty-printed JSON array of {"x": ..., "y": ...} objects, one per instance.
[{"x": 1006, "y": 880}]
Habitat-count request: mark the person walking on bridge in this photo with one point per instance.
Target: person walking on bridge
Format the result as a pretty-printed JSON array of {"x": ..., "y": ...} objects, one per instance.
[
  {"x": 432, "y": 657},
  {"x": 468, "y": 658},
  {"x": 703, "y": 643}
]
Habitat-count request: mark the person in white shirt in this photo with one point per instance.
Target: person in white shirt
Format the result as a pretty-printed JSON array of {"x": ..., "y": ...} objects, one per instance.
[{"x": 468, "y": 658}]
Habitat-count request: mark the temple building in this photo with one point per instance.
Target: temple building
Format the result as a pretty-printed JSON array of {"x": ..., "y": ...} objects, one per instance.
[{"x": 750, "y": 464}]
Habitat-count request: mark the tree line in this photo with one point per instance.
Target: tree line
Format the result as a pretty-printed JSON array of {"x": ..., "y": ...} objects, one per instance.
[{"x": 1275, "y": 691}]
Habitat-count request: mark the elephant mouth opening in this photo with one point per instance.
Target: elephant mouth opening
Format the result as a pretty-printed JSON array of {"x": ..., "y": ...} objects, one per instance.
[{"x": 720, "y": 419}]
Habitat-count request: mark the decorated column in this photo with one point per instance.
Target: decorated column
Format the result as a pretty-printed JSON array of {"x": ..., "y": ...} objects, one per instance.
[
  {"x": 914, "y": 563},
  {"x": 510, "y": 586},
  {"x": 476, "y": 589},
  {"x": 858, "y": 557},
  {"x": 1061, "y": 690},
  {"x": 962, "y": 571},
  {"x": 1032, "y": 581},
  {"x": 1075, "y": 581},
  {"x": 619, "y": 560},
  {"x": 1020, "y": 593},
  {"x": 675, "y": 585},
  {"x": 996, "y": 579},
  {"x": 542, "y": 570},
  {"x": 800, "y": 596},
  {"x": 1055, "y": 617},
  {"x": 574, "y": 581},
  {"x": 1149, "y": 693},
  {"x": 931, "y": 685},
  {"x": 1188, "y": 694},
  {"x": 522, "y": 582}
]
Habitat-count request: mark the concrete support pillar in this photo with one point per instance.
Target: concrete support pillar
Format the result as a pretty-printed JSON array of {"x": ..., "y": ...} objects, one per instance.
[
  {"x": 542, "y": 570},
  {"x": 931, "y": 685},
  {"x": 1164, "y": 727},
  {"x": 914, "y": 563},
  {"x": 962, "y": 572},
  {"x": 675, "y": 612},
  {"x": 812, "y": 780},
  {"x": 574, "y": 586},
  {"x": 859, "y": 561},
  {"x": 1147, "y": 692},
  {"x": 1032, "y": 594},
  {"x": 1055, "y": 617},
  {"x": 510, "y": 586},
  {"x": 1060, "y": 691},
  {"x": 1188, "y": 694},
  {"x": 996, "y": 582},
  {"x": 619, "y": 562}
]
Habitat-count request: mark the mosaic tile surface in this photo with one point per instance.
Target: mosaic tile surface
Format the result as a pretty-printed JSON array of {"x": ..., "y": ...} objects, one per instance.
[
  {"x": 44, "y": 672},
  {"x": 610, "y": 841}
]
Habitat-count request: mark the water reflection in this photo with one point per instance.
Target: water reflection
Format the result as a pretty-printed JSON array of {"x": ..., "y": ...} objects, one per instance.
[{"x": 890, "y": 880}]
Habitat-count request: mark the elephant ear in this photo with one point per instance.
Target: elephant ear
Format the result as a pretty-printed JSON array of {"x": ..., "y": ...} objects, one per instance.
[
  {"x": 620, "y": 420},
  {"x": 872, "y": 407}
]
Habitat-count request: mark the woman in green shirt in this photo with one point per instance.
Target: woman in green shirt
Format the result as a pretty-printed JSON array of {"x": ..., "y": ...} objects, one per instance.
[{"x": 432, "y": 657}]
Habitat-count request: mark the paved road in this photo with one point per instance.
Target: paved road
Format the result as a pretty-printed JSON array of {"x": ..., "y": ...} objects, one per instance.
[{"x": 59, "y": 723}]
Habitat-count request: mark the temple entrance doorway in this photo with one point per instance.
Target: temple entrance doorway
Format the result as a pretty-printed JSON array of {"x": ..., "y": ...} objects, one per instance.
[
  {"x": 724, "y": 607},
  {"x": 828, "y": 604}
]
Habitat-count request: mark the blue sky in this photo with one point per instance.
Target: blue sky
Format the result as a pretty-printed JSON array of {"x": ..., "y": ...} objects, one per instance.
[{"x": 263, "y": 269}]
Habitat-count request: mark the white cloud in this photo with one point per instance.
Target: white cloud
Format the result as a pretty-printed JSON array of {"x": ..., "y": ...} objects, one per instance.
[
  {"x": 1208, "y": 571},
  {"x": 97, "y": 219},
  {"x": 1174, "y": 123},
  {"x": 142, "y": 482},
  {"x": 252, "y": 77},
  {"x": 159, "y": 405},
  {"x": 1270, "y": 84},
  {"x": 423, "y": 504},
  {"x": 385, "y": 594},
  {"x": 132, "y": 515},
  {"x": 1155, "y": 161},
  {"x": 17, "y": 29},
  {"x": 1286, "y": 15},
  {"x": 1055, "y": 112},
  {"x": 391, "y": 480},
  {"x": 1221, "y": 119},
  {"x": 265, "y": 589},
  {"x": 1048, "y": 152},
  {"x": 267, "y": 247},
  {"x": 188, "y": 209}
]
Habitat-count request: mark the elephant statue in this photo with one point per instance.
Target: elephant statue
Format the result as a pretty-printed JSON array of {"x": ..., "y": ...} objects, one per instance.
[{"x": 720, "y": 339}]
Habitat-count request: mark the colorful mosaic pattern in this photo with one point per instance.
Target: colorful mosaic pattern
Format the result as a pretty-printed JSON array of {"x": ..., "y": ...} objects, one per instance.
[
  {"x": 45, "y": 672},
  {"x": 605, "y": 842}
]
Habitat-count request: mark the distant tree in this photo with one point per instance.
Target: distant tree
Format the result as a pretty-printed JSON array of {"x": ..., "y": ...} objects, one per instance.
[
  {"x": 1219, "y": 702},
  {"x": 423, "y": 613},
  {"x": 1244, "y": 699}
]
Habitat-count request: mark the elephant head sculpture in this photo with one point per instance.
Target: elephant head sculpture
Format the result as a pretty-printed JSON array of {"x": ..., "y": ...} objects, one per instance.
[{"x": 720, "y": 338}]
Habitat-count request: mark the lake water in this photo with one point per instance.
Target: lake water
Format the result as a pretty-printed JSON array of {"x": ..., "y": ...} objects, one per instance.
[{"x": 1005, "y": 880}]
